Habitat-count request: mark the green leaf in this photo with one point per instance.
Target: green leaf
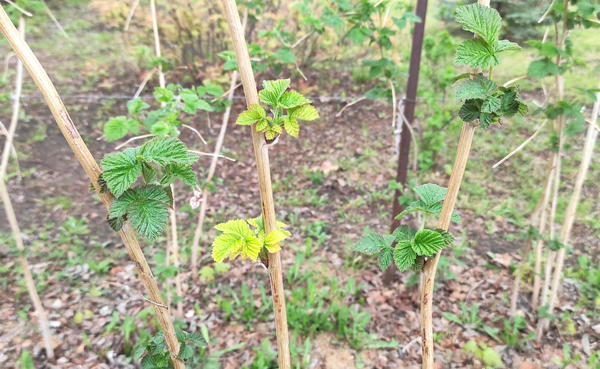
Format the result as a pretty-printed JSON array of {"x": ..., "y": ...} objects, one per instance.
[
  {"x": 146, "y": 209},
  {"x": 237, "y": 238},
  {"x": 542, "y": 68},
  {"x": 476, "y": 54},
  {"x": 304, "y": 112},
  {"x": 273, "y": 239},
  {"x": 385, "y": 258},
  {"x": 427, "y": 242},
  {"x": 166, "y": 150},
  {"x": 491, "y": 105},
  {"x": 292, "y": 99},
  {"x": 430, "y": 193},
  {"x": 149, "y": 173},
  {"x": 371, "y": 243},
  {"x": 481, "y": 20},
  {"x": 477, "y": 88},
  {"x": 403, "y": 234},
  {"x": 253, "y": 115},
  {"x": 210, "y": 88},
  {"x": 120, "y": 170},
  {"x": 116, "y": 128},
  {"x": 436, "y": 209},
  {"x": 181, "y": 171},
  {"x": 136, "y": 106},
  {"x": 470, "y": 110},
  {"x": 404, "y": 256},
  {"x": 485, "y": 119},
  {"x": 273, "y": 90},
  {"x": 285, "y": 55},
  {"x": 161, "y": 94},
  {"x": 115, "y": 223},
  {"x": 505, "y": 45},
  {"x": 120, "y": 206},
  {"x": 448, "y": 238},
  {"x": 160, "y": 129},
  {"x": 291, "y": 126},
  {"x": 185, "y": 351},
  {"x": 546, "y": 49}
]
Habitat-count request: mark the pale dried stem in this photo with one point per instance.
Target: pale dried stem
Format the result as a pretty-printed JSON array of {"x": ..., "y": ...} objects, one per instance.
[
  {"x": 132, "y": 8},
  {"x": 21, "y": 10},
  {"x": 10, "y": 212},
  {"x": 521, "y": 146},
  {"x": 13, "y": 151},
  {"x": 55, "y": 21},
  {"x": 132, "y": 139},
  {"x": 195, "y": 132},
  {"x": 149, "y": 75},
  {"x": 569, "y": 217},
  {"x": 211, "y": 171},
  {"x": 161, "y": 75},
  {"x": 339, "y": 113},
  {"x": 261, "y": 152},
  {"x": 93, "y": 171},
  {"x": 541, "y": 214},
  {"x": 173, "y": 243},
  {"x": 14, "y": 119}
]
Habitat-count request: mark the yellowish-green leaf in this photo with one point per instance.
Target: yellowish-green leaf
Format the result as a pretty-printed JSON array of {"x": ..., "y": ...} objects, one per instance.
[
  {"x": 273, "y": 239},
  {"x": 253, "y": 115},
  {"x": 304, "y": 112},
  {"x": 291, "y": 126}
]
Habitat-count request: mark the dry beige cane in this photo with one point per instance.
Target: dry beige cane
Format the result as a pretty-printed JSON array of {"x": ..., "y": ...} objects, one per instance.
[
  {"x": 211, "y": 173},
  {"x": 261, "y": 152},
  {"x": 42, "y": 317},
  {"x": 172, "y": 241},
  {"x": 429, "y": 269},
  {"x": 83, "y": 155},
  {"x": 559, "y": 125},
  {"x": 569, "y": 218}
]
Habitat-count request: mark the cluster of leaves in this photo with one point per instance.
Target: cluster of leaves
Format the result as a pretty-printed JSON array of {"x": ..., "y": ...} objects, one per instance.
[
  {"x": 412, "y": 246},
  {"x": 487, "y": 102},
  {"x": 155, "y": 355},
  {"x": 555, "y": 59},
  {"x": 159, "y": 162},
  {"x": 174, "y": 101},
  {"x": 238, "y": 238},
  {"x": 286, "y": 107},
  {"x": 483, "y": 99},
  {"x": 360, "y": 21}
]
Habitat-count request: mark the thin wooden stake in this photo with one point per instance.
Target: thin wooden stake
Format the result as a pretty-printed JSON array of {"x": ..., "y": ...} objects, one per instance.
[
  {"x": 173, "y": 242},
  {"x": 569, "y": 218},
  {"x": 539, "y": 245},
  {"x": 261, "y": 152},
  {"x": 55, "y": 21},
  {"x": 14, "y": 119},
  {"x": 429, "y": 268},
  {"x": 132, "y": 8},
  {"x": 91, "y": 168},
  {"x": 161, "y": 75},
  {"x": 42, "y": 317},
  {"x": 211, "y": 173}
]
